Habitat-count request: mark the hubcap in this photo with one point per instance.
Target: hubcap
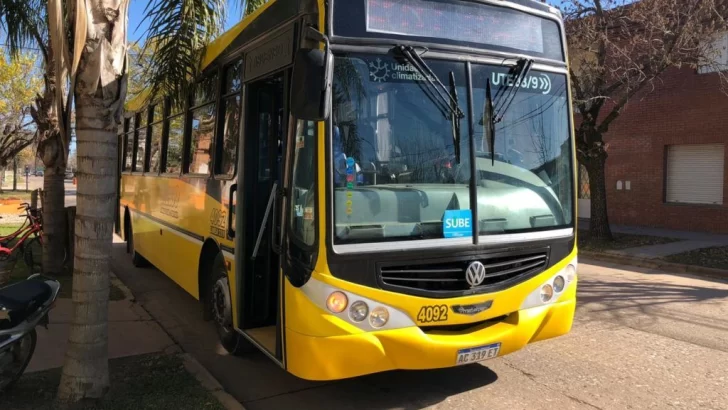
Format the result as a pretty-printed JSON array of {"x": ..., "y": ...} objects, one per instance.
[{"x": 221, "y": 303}]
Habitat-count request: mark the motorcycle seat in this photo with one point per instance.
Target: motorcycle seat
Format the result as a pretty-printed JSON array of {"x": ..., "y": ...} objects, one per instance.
[{"x": 23, "y": 298}]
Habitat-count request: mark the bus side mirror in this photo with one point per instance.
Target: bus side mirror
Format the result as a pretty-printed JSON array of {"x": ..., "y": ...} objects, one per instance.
[{"x": 311, "y": 85}]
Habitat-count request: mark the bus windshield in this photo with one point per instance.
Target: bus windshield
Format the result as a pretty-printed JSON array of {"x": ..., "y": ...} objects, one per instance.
[{"x": 395, "y": 172}]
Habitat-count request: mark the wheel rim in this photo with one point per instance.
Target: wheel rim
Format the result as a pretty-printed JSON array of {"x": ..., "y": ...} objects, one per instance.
[
  {"x": 221, "y": 309},
  {"x": 14, "y": 359}
]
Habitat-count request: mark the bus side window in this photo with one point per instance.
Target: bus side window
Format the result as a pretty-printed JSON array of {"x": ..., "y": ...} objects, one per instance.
[
  {"x": 174, "y": 140},
  {"x": 304, "y": 183}
]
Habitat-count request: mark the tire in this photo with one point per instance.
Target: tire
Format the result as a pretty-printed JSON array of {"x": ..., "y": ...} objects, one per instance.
[
  {"x": 221, "y": 306},
  {"x": 11, "y": 366},
  {"x": 33, "y": 255},
  {"x": 136, "y": 258}
]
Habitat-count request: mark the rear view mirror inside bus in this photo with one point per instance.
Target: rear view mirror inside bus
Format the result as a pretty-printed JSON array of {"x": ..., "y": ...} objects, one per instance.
[{"x": 311, "y": 85}]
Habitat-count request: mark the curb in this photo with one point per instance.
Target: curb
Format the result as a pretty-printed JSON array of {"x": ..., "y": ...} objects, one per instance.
[
  {"x": 656, "y": 264},
  {"x": 210, "y": 383},
  {"x": 195, "y": 368},
  {"x": 119, "y": 284}
]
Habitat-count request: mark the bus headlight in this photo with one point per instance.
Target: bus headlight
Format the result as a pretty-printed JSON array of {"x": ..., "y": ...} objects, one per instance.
[
  {"x": 358, "y": 311},
  {"x": 550, "y": 290},
  {"x": 379, "y": 317},
  {"x": 337, "y": 301},
  {"x": 547, "y": 292}
]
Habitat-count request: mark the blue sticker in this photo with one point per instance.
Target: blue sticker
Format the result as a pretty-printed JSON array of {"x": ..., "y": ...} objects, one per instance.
[
  {"x": 457, "y": 223},
  {"x": 350, "y": 162},
  {"x": 350, "y": 171}
]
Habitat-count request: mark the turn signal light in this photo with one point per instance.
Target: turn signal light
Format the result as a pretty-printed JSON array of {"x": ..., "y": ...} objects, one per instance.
[{"x": 337, "y": 301}]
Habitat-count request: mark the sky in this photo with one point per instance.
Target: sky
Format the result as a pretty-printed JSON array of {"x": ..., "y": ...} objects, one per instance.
[{"x": 138, "y": 26}]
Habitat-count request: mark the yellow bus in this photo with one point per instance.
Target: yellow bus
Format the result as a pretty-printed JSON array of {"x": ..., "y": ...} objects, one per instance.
[{"x": 356, "y": 186}]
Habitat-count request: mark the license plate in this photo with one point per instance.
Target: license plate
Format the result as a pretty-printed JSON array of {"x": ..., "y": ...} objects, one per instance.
[{"x": 477, "y": 354}]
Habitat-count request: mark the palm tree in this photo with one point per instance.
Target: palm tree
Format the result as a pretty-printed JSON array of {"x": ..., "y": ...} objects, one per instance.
[
  {"x": 97, "y": 70},
  {"x": 25, "y": 23}
]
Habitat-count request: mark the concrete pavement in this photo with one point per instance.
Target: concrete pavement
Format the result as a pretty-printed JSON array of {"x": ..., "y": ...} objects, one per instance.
[
  {"x": 131, "y": 332},
  {"x": 688, "y": 241},
  {"x": 642, "y": 340}
]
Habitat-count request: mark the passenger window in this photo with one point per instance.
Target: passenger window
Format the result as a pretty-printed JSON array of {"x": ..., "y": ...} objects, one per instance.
[
  {"x": 202, "y": 113},
  {"x": 129, "y": 144},
  {"x": 203, "y": 127},
  {"x": 303, "y": 200},
  {"x": 175, "y": 144},
  {"x": 155, "y": 147},
  {"x": 227, "y": 143},
  {"x": 141, "y": 141}
]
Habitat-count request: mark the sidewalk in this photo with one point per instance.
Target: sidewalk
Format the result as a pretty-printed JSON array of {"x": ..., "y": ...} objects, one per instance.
[
  {"x": 131, "y": 332},
  {"x": 688, "y": 241},
  {"x": 140, "y": 353}
]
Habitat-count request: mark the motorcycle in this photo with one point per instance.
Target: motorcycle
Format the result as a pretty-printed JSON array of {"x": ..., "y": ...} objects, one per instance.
[{"x": 23, "y": 306}]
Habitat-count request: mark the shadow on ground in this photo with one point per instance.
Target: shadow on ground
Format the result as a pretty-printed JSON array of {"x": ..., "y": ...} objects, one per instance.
[
  {"x": 649, "y": 300},
  {"x": 259, "y": 383}
]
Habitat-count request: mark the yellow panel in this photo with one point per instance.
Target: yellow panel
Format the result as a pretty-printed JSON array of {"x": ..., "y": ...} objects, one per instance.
[{"x": 185, "y": 205}]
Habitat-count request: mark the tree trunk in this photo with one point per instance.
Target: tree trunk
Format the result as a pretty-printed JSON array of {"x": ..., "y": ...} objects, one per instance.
[
  {"x": 599, "y": 222},
  {"x": 54, "y": 219},
  {"x": 15, "y": 174},
  {"x": 100, "y": 93}
]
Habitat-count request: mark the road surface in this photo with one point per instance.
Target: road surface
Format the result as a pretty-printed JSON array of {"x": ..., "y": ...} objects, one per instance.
[{"x": 642, "y": 340}]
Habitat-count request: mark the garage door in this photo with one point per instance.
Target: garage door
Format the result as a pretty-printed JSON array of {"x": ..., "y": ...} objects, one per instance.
[{"x": 695, "y": 173}]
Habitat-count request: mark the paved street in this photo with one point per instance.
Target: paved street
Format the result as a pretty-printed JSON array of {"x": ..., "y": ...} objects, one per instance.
[{"x": 642, "y": 340}]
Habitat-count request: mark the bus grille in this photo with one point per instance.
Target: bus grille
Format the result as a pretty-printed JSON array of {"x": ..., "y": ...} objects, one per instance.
[{"x": 444, "y": 279}]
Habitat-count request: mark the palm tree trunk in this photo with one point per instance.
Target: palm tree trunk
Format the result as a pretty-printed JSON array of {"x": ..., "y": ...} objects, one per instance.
[
  {"x": 100, "y": 93},
  {"x": 54, "y": 224}
]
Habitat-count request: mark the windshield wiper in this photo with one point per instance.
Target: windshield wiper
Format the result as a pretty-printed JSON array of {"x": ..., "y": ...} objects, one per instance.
[
  {"x": 491, "y": 115},
  {"x": 519, "y": 73},
  {"x": 446, "y": 102}
]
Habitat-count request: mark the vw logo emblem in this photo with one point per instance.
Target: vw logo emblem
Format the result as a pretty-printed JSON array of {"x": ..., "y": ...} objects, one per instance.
[{"x": 475, "y": 274}]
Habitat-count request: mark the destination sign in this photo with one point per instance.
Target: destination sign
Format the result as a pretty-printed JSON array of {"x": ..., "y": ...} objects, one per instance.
[{"x": 462, "y": 23}]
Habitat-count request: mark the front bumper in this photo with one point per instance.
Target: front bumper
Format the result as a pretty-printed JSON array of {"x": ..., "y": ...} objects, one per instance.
[{"x": 350, "y": 355}]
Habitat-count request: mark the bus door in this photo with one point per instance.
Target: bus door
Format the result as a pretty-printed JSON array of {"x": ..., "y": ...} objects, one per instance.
[{"x": 265, "y": 136}]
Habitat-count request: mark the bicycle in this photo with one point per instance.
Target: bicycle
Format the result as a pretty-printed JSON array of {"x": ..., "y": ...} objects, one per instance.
[{"x": 31, "y": 248}]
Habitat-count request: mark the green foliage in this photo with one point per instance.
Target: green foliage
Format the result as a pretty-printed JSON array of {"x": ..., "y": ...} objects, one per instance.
[
  {"x": 252, "y": 5},
  {"x": 179, "y": 31},
  {"x": 23, "y": 23},
  {"x": 20, "y": 82}
]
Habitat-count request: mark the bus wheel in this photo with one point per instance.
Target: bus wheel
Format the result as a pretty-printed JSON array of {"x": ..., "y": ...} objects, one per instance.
[
  {"x": 136, "y": 259},
  {"x": 222, "y": 312}
]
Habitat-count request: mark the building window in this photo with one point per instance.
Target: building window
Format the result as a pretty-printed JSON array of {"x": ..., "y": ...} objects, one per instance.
[
  {"x": 227, "y": 142},
  {"x": 695, "y": 174},
  {"x": 202, "y": 116},
  {"x": 141, "y": 141},
  {"x": 304, "y": 183},
  {"x": 716, "y": 52}
]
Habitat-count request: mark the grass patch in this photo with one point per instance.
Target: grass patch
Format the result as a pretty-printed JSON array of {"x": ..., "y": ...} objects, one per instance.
[
  {"x": 155, "y": 381},
  {"x": 6, "y": 230},
  {"x": 21, "y": 272},
  {"x": 621, "y": 241},
  {"x": 715, "y": 257},
  {"x": 19, "y": 195}
]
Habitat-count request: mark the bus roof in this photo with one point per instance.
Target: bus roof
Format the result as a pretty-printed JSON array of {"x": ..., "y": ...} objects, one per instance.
[{"x": 221, "y": 43}]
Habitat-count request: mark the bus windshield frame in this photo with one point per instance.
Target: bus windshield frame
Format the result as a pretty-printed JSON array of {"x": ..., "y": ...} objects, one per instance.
[{"x": 347, "y": 170}]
